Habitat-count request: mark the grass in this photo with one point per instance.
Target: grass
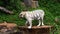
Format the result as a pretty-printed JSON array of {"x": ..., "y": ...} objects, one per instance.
[{"x": 51, "y": 8}]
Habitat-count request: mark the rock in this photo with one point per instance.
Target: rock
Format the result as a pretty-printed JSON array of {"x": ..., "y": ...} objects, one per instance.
[{"x": 7, "y": 28}]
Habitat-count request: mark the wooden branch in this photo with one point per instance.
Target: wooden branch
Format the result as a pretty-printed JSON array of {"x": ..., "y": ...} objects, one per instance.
[{"x": 5, "y": 10}]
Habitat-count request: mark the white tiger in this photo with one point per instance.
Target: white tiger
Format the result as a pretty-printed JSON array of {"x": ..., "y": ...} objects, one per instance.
[{"x": 31, "y": 15}]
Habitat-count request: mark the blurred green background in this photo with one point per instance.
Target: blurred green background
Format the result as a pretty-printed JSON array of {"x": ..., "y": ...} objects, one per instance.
[{"x": 51, "y": 8}]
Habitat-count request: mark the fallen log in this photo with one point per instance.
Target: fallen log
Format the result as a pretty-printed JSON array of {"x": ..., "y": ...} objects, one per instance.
[{"x": 5, "y": 10}]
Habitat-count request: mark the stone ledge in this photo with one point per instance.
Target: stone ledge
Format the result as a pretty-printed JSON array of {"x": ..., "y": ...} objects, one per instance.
[{"x": 35, "y": 27}]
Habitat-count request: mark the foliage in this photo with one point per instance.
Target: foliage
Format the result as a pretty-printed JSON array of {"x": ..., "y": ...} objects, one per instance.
[{"x": 51, "y": 8}]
